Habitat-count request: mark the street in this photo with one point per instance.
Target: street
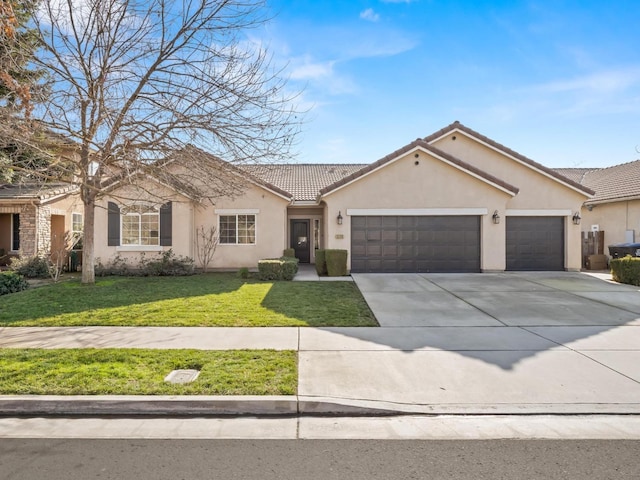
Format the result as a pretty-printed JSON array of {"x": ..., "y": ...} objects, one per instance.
[{"x": 82, "y": 459}]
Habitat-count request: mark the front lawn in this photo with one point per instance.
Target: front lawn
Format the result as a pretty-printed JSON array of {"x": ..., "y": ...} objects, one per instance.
[
  {"x": 141, "y": 372},
  {"x": 218, "y": 299}
]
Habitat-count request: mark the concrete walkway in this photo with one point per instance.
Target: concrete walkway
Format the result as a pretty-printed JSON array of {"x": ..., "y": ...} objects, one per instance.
[{"x": 541, "y": 343}]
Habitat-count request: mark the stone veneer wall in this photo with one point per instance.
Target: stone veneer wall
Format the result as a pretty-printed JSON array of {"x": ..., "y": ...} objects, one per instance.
[
  {"x": 44, "y": 230},
  {"x": 35, "y": 228}
]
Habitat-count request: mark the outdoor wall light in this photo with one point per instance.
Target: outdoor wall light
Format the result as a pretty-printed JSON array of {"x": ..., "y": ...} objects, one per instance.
[
  {"x": 495, "y": 217},
  {"x": 576, "y": 218},
  {"x": 339, "y": 219}
]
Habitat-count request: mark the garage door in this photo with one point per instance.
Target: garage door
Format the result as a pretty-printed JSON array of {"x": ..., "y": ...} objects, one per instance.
[
  {"x": 415, "y": 244},
  {"x": 535, "y": 243}
]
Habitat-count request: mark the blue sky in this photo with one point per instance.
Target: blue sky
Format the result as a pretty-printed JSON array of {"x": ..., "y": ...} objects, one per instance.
[{"x": 558, "y": 81}]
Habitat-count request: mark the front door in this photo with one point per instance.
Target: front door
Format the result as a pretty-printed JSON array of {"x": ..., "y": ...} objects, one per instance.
[{"x": 300, "y": 240}]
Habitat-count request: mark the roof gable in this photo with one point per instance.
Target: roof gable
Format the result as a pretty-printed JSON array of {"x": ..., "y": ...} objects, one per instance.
[
  {"x": 548, "y": 172},
  {"x": 421, "y": 145}
]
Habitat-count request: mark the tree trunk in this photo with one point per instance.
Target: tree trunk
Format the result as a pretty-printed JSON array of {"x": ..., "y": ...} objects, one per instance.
[{"x": 88, "y": 272}]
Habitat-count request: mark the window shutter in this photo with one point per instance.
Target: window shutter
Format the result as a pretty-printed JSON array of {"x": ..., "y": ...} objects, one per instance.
[
  {"x": 165, "y": 225},
  {"x": 113, "y": 233}
]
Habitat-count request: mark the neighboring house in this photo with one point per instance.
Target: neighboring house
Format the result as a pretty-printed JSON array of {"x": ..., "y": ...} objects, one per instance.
[
  {"x": 32, "y": 216},
  {"x": 615, "y": 207},
  {"x": 455, "y": 201}
]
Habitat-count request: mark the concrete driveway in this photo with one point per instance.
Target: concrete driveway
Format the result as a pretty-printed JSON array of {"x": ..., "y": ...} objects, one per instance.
[{"x": 548, "y": 342}]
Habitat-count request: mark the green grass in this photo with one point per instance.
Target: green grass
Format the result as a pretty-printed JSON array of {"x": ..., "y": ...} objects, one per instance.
[
  {"x": 200, "y": 300},
  {"x": 142, "y": 372}
]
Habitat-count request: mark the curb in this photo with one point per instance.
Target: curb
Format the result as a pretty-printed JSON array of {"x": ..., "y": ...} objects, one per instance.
[{"x": 284, "y": 405}]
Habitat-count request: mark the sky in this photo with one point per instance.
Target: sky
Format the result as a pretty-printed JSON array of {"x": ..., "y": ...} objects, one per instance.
[{"x": 557, "y": 81}]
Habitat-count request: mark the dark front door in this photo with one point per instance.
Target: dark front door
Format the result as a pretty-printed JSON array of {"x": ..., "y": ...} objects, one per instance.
[{"x": 300, "y": 239}]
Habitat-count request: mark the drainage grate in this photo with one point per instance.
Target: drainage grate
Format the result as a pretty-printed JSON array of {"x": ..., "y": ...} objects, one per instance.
[{"x": 182, "y": 376}]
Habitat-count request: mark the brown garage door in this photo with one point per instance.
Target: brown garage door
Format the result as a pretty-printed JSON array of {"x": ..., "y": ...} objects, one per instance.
[
  {"x": 535, "y": 243},
  {"x": 415, "y": 244}
]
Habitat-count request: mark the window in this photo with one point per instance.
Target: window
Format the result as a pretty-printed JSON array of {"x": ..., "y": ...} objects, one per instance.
[
  {"x": 238, "y": 229},
  {"x": 15, "y": 232},
  {"x": 140, "y": 225},
  {"x": 76, "y": 230}
]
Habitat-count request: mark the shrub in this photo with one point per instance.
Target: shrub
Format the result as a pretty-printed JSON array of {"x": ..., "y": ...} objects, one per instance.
[
  {"x": 284, "y": 268},
  {"x": 336, "y": 262},
  {"x": 11, "y": 282},
  {"x": 243, "y": 273},
  {"x": 321, "y": 262},
  {"x": 626, "y": 270},
  {"x": 30, "y": 267},
  {"x": 289, "y": 252},
  {"x": 166, "y": 265}
]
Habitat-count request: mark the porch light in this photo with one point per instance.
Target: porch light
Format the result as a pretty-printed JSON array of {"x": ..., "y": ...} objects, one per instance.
[
  {"x": 495, "y": 217},
  {"x": 576, "y": 218},
  {"x": 339, "y": 219}
]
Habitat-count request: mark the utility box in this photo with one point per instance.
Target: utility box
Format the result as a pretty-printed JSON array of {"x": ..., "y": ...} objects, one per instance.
[{"x": 596, "y": 262}]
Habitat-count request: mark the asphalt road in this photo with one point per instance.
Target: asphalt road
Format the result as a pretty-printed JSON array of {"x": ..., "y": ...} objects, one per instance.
[{"x": 317, "y": 459}]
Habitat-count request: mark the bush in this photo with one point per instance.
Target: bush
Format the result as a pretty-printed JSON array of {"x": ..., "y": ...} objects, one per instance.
[
  {"x": 289, "y": 252},
  {"x": 336, "y": 262},
  {"x": 30, "y": 267},
  {"x": 284, "y": 268},
  {"x": 243, "y": 273},
  {"x": 626, "y": 270},
  {"x": 166, "y": 265},
  {"x": 321, "y": 262},
  {"x": 11, "y": 282}
]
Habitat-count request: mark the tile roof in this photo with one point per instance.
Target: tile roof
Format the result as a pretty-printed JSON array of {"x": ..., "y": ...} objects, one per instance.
[
  {"x": 34, "y": 191},
  {"x": 303, "y": 181},
  {"x": 537, "y": 166},
  {"x": 425, "y": 146},
  {"x": 618, "y": 182}
]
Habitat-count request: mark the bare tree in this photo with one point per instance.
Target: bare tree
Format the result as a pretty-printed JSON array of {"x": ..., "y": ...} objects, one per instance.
[
  {"x": 145, "y": 87},
  {"x": 58, "y": 254},
  {"x": 206, "y": 244}
]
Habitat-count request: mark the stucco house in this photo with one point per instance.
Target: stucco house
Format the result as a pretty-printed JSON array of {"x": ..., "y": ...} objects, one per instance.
[
  {"x": 455, "y": 201},
  {"x": 615, "y": 207},
  {"x": 31, "y": 216}
]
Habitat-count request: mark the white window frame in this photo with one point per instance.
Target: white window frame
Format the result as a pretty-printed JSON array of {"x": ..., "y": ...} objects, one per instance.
[
  {"x": 77, "y": 233},
  {"x": 236, "y": 214},
  {"x": 124, "y": 213}
]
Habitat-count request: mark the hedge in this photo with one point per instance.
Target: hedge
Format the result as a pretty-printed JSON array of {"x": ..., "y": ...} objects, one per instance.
[
  {"x": 336, "y": 262},
  {"x": 11, "y": 282},
  {"x": 289, "y": 252},
  {"x": 626, "y": 270},
  {"x": 321, "y": 262},
  {"x": 284, "y": 268}
]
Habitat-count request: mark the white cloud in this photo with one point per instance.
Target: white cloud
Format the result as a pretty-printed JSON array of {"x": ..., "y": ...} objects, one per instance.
[
  {"x": 369, "y": 15},
  {"x": 600, "y": 83}
]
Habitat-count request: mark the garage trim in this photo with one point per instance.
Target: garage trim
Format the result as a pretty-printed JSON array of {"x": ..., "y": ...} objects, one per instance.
[
  {"x": 428, "y": 212},
  {"x": 538, "y": 213}
]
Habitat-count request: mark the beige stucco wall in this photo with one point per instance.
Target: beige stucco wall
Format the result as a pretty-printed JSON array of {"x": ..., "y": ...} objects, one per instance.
[
  {"x": 182, "y": 223},
  {"x": 66, "y": 207},
  {"x": 271, "y": 228},
  {"x": 614, "y": 219},
  {"x": 431, "y": 184},
  {"x": 539, "y": 194}
]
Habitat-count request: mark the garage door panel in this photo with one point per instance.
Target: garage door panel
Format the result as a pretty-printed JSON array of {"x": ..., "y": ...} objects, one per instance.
[
  {"x": 535, "y": 243},
  {"x": 415, "y": 244}
]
